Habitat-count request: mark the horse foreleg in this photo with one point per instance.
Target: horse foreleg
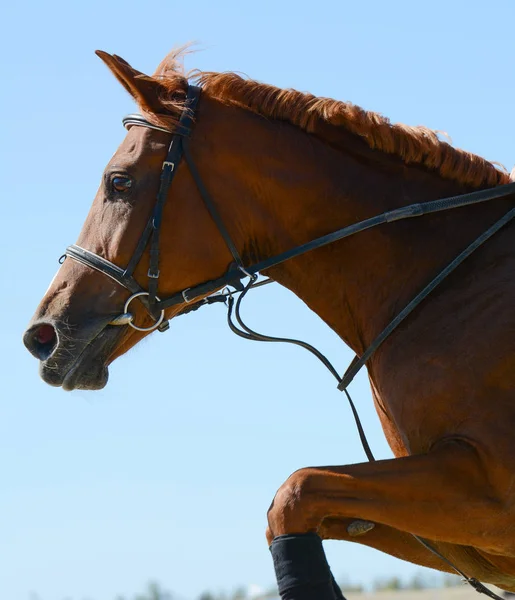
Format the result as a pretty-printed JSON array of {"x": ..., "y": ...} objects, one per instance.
[
  {"x": 448, "y": 495},
  {"x": 406, "y": 547},
  {"x": 386, "y": 539}
]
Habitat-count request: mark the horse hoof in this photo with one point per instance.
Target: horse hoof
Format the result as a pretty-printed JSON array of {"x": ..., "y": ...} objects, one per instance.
[{"x": 357, "y": 528}]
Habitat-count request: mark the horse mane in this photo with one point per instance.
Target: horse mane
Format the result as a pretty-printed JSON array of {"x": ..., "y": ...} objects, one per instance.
[{"x": 323, "y": 117}]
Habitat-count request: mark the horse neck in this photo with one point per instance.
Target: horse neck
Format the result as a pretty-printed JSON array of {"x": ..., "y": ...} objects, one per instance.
[{"x": 308, "y": 189}]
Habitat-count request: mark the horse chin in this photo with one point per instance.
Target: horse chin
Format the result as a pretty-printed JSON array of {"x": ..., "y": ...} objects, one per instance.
[
  {"x": 94, "y": 377},
  {"x": 88, "y": 370}
]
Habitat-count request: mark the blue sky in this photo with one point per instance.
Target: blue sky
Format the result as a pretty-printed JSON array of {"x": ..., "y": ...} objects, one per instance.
[{"x": 167, "y": 473}]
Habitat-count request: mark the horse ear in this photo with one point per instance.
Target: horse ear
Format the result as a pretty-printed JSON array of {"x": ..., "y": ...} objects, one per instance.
[{"x": 144, "y": 89}]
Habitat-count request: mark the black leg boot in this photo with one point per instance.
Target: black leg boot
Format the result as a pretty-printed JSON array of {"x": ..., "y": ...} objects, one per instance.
[{"x": 302, "y": 570}]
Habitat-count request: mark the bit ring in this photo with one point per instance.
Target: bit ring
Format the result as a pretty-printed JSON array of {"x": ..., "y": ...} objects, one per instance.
[{"x": 131, "y": 323}]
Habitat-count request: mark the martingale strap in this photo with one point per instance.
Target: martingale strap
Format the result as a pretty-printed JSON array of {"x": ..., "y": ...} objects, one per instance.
[{"x": 360, "y": 361}]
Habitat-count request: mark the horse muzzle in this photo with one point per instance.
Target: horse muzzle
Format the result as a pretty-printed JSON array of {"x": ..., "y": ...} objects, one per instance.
[{"x": 73, "y": 357}]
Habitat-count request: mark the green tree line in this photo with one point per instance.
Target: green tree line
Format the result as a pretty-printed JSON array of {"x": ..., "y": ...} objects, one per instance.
[{"x": 420, "y": 580}]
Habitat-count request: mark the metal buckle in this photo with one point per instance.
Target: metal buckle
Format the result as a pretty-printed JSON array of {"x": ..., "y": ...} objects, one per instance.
[
  {"x": 165, "y": 326},
  {"x": 170, "y": 164},
  {"x": 185, "y": 298},
  {"x": 152, "y": 276},
  {"x": 253, "y": 277}
]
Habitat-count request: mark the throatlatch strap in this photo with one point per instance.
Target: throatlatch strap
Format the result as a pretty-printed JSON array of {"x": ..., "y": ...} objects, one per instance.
[{"x": 210, "y": 205}]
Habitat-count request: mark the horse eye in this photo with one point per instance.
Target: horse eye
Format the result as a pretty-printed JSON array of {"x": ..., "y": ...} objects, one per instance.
[{"x": 121, "y": 184}]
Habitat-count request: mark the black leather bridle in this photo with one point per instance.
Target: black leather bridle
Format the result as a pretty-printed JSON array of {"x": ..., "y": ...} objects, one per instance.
[
  {"x": 178, "y": 149},
  {"x": 203, "y": 293}
]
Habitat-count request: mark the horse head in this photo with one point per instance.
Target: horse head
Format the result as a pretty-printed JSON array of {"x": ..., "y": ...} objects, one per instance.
[{"x": 73, "y": 332}]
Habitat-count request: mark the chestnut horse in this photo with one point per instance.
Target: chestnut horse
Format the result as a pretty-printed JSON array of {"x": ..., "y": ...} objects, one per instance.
[{"x": 284, "y": 168}]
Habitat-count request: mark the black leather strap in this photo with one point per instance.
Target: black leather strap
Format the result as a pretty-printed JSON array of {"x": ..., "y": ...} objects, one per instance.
[
  {"x": 406, "y": 212},
  {"x": 210, "y": 205},
  {"x": 168, "y": 171},
  {"x": 360, "y": 361},
  {"x": 94, "y": 261},
  {"x": 140, "y": 248}
]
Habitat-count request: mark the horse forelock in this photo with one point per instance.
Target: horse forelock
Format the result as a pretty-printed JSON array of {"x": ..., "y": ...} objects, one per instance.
[{"x": 415, "y": 145}]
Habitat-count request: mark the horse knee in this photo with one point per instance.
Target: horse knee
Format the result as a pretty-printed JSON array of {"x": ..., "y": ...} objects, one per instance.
[{"x": 288, "y": 511}]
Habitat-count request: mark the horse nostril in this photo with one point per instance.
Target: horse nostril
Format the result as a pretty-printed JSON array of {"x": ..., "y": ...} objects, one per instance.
[{"x": 41, "y": 340}]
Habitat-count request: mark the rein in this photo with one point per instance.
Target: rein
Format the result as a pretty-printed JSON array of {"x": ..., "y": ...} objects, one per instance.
[{"x": 204, "y": 293}]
